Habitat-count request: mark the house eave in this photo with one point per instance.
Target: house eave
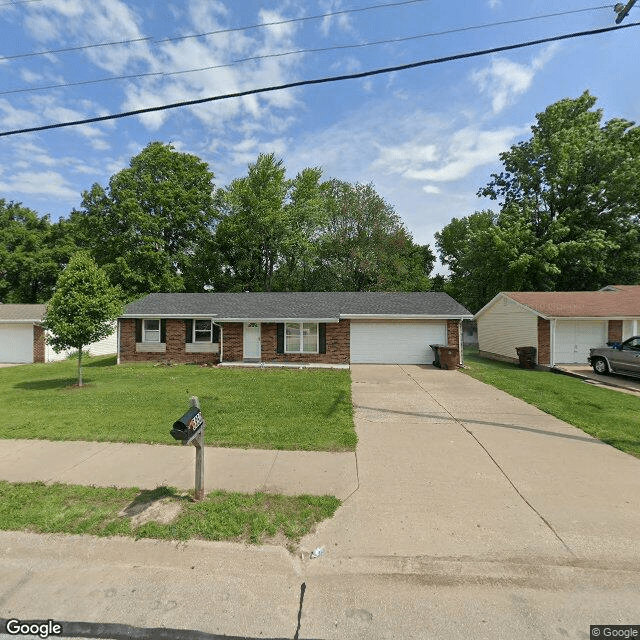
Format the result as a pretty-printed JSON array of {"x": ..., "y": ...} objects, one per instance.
[
  {"x": 404, "y": 316},
  {"x": 215, "y": 318},
  {"x": 594, "y": 317}
]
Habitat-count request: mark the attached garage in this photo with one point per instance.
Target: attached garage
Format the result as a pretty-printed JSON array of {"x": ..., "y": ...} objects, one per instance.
[
  {"x": 561, "y": 325},
  {"x": 395, "y": 342},
  {"x": 16, "y": 343},
  {"x": 574, "y": 338}
]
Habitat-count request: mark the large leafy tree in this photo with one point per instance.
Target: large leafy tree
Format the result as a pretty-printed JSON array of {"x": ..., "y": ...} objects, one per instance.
[
  {"x": 33, "y": 252},
  {"x": 569, "y": 203},
  {"x": 83, "y": 307},
  {"x": 574, "y": 184},
  {"x": 265, "y": 235},
  {"x": 364, "y": 245},
  {"x": 148, "y": 227}
]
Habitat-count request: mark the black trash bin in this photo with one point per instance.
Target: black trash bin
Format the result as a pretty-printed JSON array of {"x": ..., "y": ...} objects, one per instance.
[
  {"x": 436, "y": 353},
  {"x": 527, "y": 357}
]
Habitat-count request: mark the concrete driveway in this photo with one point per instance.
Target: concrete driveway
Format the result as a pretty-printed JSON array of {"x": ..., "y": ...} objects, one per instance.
[
  {"x": 451, "y": 467},
  {"x": 625, "y": 384}
]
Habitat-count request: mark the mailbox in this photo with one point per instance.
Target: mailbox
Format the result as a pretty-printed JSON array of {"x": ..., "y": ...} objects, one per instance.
[{"x": 188, "y": 426}]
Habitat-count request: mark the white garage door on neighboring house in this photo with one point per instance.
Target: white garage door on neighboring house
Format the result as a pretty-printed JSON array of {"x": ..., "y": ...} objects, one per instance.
[
  {"x": 16, "y": 343},
  {"x": 395, "y": 342},
  {"x": 574, "y": 338}
]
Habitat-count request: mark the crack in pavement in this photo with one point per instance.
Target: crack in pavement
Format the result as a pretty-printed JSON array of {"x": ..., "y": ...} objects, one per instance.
[{"x": 495, "y": 462}]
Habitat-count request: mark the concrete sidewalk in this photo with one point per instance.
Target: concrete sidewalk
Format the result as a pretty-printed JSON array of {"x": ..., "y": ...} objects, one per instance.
[{"x": 108, "y": 464}]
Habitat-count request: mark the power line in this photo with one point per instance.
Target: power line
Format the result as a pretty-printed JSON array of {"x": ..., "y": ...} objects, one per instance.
[
  {"x": 301, "y": 51},
  {"x": 302, "y": 83},
  {"x": 7, "y": 4},
  {"x": 78, "y": 48},
  {"x": 201, "y": 35},
  {"x": 290, "y": 20}
]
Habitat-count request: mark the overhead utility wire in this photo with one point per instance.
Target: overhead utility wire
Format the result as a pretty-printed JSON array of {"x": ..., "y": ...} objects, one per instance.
[
  {"x": 290, "y": 20},
  {"x": 78, "y": 48},
  {"x": 303, "y": 83},
  {"x": 298, "y": 52},
  {"x": 201, "y": 35},
  {"x": 7, "y": 4}
]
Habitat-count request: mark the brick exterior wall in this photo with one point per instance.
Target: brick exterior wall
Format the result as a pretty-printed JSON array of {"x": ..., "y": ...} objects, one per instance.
[
  {"x": 615, "y": 331},
  {"x": 232, "y": 341},
  {"x": 449, "y": 359},
  {"x": 544, "y": 341},
  {"x": 453, "y": 333},
  {"x": 175, "y": 346},
  {"x": 38, "y": 343},
  {"x": 338, "y": 345}
]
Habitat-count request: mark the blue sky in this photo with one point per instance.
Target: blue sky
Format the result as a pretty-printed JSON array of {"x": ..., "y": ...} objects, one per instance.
[{"x": 427, "y": 138}]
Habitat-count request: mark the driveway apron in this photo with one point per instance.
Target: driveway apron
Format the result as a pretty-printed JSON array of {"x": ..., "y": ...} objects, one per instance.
[{"x": 450, "y": 467}]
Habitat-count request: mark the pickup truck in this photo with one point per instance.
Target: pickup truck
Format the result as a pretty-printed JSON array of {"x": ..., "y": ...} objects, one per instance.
[{"x": 622, "y": 358}]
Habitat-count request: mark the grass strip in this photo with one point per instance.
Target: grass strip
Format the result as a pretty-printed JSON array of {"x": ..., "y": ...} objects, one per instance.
[
  {"x": 610, "y": 416},
  {"x": 72, "y": 509}
]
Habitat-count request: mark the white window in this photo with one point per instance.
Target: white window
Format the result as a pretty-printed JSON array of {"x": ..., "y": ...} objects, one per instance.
[
  {"x": 202, "y": 331},
  {"x": 151, "y": 331},
  {"x": 301, "y": 337}
]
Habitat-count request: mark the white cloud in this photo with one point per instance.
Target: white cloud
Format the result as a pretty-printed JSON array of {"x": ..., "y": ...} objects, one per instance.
[
  {"x": 431, "y": 188},
  {"x": 341, "y": 21},
  {"x": 465, "y": 150},
  {"x": 38, "y": 183},
  {"x": 504, "y": 80},
  {"x": 494, "y": 4}
]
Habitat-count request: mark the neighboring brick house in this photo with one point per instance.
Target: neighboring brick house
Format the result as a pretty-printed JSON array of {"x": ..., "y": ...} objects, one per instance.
[
  {"x": 562, "y": 325},
  {"x": 334, "y": 328},
  {"x": 22, "y": 338}
]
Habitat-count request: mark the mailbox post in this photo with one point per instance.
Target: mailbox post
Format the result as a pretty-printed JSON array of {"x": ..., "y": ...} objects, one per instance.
[{"x": 190, "y": 430}]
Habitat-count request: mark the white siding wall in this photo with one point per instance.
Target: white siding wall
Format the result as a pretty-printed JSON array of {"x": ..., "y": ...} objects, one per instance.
[
  {"x": 630, "y": 328},
  {"x": 505, "y": 326},
  {"x": 103, "y": 347}
]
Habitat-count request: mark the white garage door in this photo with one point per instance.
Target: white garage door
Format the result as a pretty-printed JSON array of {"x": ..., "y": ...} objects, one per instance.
[
  {"x": 16, "y": 343},
  {"x": 395, "y": 342},
  {"x": 574, "y": 338}
]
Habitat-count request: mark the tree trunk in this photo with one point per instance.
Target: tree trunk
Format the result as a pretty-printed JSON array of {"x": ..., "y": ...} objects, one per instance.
[{"x": 80, "y": 367}]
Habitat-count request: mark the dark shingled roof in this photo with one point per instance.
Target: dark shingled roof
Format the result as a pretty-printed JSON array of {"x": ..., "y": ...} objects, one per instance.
[{"x": 325, "y": 305}]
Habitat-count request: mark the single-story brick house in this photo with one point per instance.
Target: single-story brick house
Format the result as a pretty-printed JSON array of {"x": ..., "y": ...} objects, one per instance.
[
  {"x": 562, "y": 325},
  {"x": 22, "y": 338},
  {"x": 302, "y": 327}
]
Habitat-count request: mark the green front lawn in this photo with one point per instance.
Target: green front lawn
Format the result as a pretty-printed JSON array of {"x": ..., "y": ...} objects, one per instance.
[
  {"x": 608, "y": 415},
  {"x": 307, "y": 409},
  {"x": 72, "y": 509}
]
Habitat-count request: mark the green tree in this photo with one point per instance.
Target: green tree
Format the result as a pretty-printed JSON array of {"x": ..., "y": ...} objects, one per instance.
[
  {"x": 574, "y": 184},
  {"x": 83, "y": 307},
  {"x": 487, "y": 253},
  {"x": 569, "y": 202},
  {"x": 265, "y": 235},
  {"x": 364, "y": 245},
  {"x": 147, "y": 228},
  {"x": 33, "y": 253}
]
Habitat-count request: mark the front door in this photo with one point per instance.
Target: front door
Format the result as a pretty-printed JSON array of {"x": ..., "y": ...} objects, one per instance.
[{"x": 251, "y": 341}]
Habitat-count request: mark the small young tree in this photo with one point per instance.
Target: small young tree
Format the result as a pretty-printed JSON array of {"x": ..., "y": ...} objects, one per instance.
[{"x": 82, "y": 308}]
